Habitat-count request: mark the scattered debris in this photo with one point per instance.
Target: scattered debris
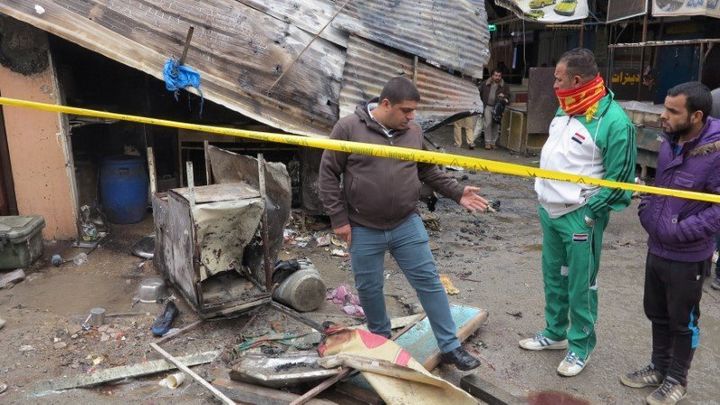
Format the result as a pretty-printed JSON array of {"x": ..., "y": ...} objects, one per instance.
[
  {"x": 338, "y": 242},
  {"x": 173, "y": 381},
  {"x": 517, "y": 314},
  {"x": 349, "y": 301},
  {"x": 448, "y": 284},
  {"x": 2, "y": 323},
  {"x": 26, "y": 348},
  {"x": 281, "y": 371},
  {"x": 323, "y": 240},
  {"x": 186, "y": 369},
  {"x": 253, "y": 394},
  {"x": 80, "y": 259},
  {"x": 10, "y": 279},
  {"x": 339, "y": 253},
  {"x": 145, "y": 247},
  {"x": 390, "y": 369},
  {"x": 431, "y": 221},
  {"x": 279, "y": 341}
]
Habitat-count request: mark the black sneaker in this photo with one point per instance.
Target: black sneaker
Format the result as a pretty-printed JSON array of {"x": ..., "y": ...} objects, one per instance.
[
  {"x": 645, "y": 377},
  {"x": 715, "y": 285},
  {"x": 670, "y": 393},
  {"x": 461, "y": 359}
]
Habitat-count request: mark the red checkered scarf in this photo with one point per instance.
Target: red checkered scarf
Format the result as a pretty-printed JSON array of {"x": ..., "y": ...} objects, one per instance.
[{"x": 582, "y": 99}]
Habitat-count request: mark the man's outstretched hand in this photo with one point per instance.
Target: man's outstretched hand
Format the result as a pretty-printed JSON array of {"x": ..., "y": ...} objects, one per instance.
[
  {"x": 471, "y": 200},
  {"x": 345, "y": 233}
]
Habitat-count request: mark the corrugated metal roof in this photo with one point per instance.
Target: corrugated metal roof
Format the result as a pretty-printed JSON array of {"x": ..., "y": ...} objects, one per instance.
[
  {"x": 241, "y": 47},
  {"x": 238, "y": 50},
  {"x": 450, "y": 33},
  {"x": 368, "y": 66}
]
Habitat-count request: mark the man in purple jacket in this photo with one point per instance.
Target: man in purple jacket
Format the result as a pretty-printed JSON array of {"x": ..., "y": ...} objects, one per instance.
[{"x": 681, "y": 240}]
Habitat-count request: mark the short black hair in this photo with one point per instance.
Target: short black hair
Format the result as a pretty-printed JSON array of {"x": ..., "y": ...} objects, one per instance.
[
  {"x": 399, "y": 89},
  {"x": 698, "y": 97},
  {"x": 496, "y": 70},
  {"x": 580, "y": 62}
]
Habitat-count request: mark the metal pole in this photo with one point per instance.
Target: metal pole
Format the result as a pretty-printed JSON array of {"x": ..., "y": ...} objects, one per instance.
[{"x": 642, "y": 50}]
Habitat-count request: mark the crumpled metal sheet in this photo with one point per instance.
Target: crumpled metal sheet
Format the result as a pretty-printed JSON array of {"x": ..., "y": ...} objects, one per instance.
[
  {"x": 280, "y": 371},
  {"x": 229, "y": 167},
  {"x": 223, "y": 230}
]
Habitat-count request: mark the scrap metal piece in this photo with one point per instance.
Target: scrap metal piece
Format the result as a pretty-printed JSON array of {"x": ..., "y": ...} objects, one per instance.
[
  {"x": 282, "y": 371},
  {"x": 119, "y": 373}
]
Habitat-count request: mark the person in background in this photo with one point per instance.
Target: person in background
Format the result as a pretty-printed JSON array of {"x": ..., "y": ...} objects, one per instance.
[
  {"x": 680, "y": 240},
  {"x": 492, "y": 91},
  {"x": 468, "y": 124}
]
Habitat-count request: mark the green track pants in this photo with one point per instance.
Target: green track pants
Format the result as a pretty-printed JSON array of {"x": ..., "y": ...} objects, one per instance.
[{"x": 570, "y": 263}]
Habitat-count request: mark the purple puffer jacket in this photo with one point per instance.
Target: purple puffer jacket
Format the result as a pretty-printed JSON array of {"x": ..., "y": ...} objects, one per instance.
[{"x": 679, "y": 229}]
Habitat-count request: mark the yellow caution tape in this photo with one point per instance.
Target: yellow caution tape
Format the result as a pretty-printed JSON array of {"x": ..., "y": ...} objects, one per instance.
[{"x": 384, "y": 151}]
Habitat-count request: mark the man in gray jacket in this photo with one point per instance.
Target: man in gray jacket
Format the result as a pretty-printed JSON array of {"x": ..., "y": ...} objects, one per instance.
[{"x": 374, "y": 209}]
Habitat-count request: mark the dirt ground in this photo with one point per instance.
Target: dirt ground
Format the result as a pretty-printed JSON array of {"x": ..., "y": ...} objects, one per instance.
[{"x": 493, "y": 259}]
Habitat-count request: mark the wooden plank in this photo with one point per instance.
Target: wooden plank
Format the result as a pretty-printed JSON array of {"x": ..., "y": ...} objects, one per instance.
[
  {"x": 253, "y": 394},
  {"x": 192, "y": 374},
  {"x": 122, "y": 372},
  {"x": 208, "y": 169},
  {"x": 179, "y": 331}
]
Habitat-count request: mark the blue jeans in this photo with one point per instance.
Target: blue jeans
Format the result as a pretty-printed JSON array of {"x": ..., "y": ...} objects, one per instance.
[{"x": 408, "y": 244}]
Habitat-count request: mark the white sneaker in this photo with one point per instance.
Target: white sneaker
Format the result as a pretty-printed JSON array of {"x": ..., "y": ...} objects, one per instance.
[
  {"x": 540, "y": 342},
  {"x": 571, "y": 365}
]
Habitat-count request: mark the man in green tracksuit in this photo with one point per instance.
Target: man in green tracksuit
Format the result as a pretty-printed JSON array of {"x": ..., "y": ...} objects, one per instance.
[{"x": 590, "y": 136}]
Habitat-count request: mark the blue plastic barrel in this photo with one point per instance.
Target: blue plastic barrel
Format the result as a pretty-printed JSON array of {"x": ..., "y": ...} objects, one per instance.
[{"x": 123, "y": 188}]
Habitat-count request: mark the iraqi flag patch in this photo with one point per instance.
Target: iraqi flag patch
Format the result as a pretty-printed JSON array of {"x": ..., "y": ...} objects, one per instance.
[
  {"x": 578, "y": 138},
  {"x": 580, "y": 237}
]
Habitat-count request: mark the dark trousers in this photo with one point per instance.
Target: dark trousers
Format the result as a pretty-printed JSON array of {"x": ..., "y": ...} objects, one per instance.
[
  {"x": 672, "y": 303},
  {"x": 717, "y": 247}
]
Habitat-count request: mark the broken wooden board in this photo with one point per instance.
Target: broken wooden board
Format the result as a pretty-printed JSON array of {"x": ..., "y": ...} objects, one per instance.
[
  {"x": 119, "y": 373},
  {"x": 420, "y": 341},
  {"x": 253, "y": 394}
]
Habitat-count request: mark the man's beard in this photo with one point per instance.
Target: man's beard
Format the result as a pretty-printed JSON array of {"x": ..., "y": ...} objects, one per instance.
[{"x": 681, "y": 131}]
